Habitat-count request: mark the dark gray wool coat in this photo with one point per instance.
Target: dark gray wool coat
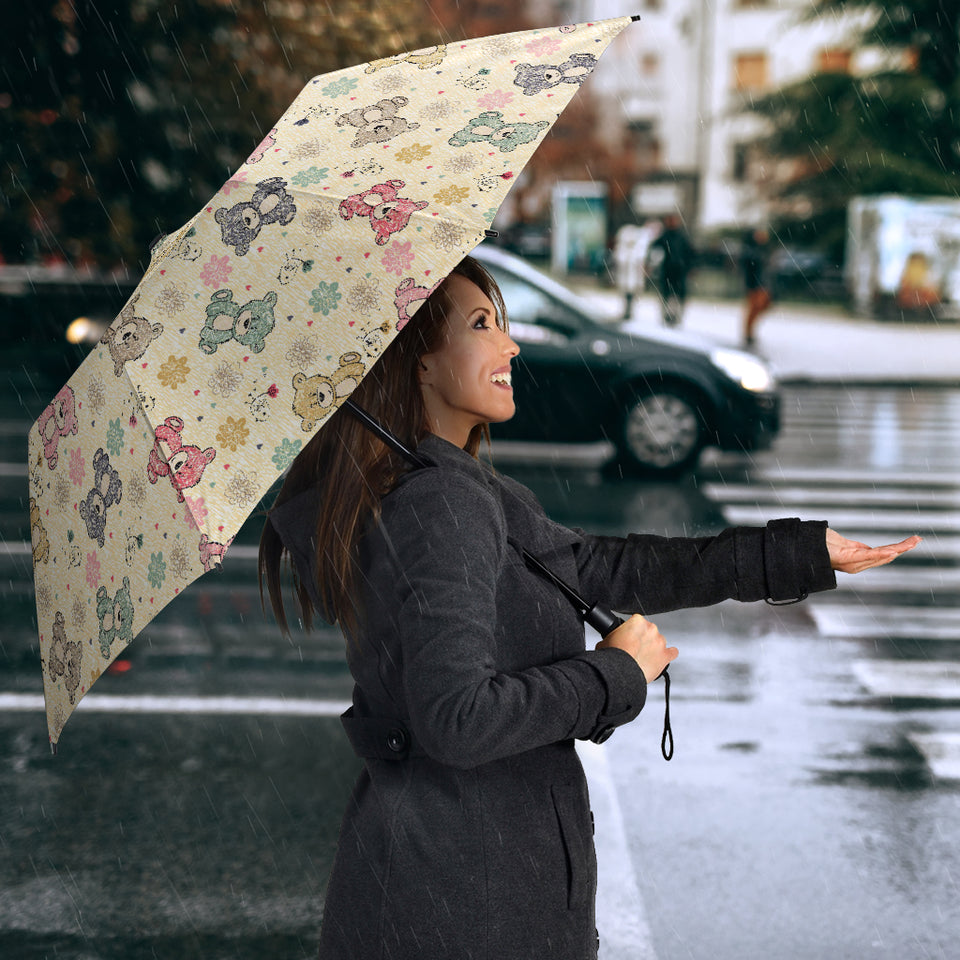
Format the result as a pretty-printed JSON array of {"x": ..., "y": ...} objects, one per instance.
[{"x": 473, "y": 841}]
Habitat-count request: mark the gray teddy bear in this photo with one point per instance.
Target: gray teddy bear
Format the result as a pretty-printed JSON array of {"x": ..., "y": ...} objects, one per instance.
[
  {"x": 378, "y": 122},
  {"x": 107, "y": 490},
  {"x": 535, "y": 78},
  {"x": 241, "y": 223}
]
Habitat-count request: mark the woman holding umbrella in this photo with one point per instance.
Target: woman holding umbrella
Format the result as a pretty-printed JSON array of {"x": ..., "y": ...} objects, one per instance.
[{"x": 468, "y": 833}]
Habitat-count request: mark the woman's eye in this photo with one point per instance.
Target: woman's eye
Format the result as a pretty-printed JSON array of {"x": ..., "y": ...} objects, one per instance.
[{"x": 480, "y": 323}]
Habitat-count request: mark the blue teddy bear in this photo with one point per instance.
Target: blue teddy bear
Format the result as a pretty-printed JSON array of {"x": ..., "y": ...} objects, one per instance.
[
  {"x": 116, "y": 617},
  {"x": 248, "y": 324},
  {"x": 490, "y": 127}
]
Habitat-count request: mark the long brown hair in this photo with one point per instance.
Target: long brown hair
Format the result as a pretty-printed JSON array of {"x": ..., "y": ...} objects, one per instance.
[{"x": 352, "y": 469}]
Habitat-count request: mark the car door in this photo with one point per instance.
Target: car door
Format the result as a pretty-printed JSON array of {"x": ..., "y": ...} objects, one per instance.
[{"x": 555, "y": 381}]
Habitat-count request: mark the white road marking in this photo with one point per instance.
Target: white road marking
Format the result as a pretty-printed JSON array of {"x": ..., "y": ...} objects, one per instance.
[
  {"x": 941, "y": 751},
  {"x": 149, "y": 703},
  {"x": 906, "y": 623},
  {"x": 910, "y": 679}
]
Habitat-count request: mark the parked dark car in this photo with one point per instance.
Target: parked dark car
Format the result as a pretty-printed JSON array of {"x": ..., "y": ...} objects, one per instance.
[{"x": 659, "y": 398}]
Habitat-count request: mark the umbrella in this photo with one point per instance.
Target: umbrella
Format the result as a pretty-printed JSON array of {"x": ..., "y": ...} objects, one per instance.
[{"x": 257, "y": 318}]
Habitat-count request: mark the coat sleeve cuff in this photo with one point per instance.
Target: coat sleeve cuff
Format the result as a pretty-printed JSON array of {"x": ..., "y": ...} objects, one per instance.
[
  {"x": 625, "y": 685},
  {"x": 796, "y": 559}
]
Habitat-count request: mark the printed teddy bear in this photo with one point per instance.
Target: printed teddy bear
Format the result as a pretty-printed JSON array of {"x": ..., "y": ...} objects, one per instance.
[
  {"x": 374, "y": 340},
  {"x": 408, "y": 294},
  {"x": 170, "y": 457},
  {"x": 535, "y": 78},
  {"x": 265, "y": 144},
  {"x": 65, "y": 657},
  {"x": 490, "y": 127},
  {"x": 116, "y": 617},
  {"x": 317, "y": 396},
  {"x": 248, "y": 324},
  {"x": 294, "y": 263},
  {"x": 211, "y": 553},
  {"x": 387, "y": 211},
  {"x": 128, "y": 337},
  {"x": 58, "y": 420},
  {"x": 242, "y": 223},
  {"x": 378, "y": 122},
  {"x": 38, "y": 535},
  {"x": 106, "y": 491}
]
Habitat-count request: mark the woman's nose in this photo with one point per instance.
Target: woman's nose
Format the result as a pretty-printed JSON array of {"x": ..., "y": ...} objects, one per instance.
[{"x": 510, "y": 347}]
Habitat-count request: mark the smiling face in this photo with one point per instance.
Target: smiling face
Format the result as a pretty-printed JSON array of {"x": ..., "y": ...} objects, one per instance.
[{"x": 466, "y": 381}]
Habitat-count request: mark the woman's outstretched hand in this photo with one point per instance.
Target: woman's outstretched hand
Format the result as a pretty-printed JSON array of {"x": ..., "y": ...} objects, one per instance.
[
  {"x": 849, "y": 556},
  {"x": 644, "y": 642}
]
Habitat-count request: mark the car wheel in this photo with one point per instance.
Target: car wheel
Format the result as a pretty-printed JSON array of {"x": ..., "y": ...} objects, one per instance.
[{"x": 661, "y": 432}]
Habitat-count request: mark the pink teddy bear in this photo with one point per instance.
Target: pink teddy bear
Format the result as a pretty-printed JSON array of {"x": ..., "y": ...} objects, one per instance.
[
  {"x": 58, "y": 420},
  {"x": 407, "y": 294},
  {"x": 387, "y": 210},
  {"x": 184, "y": 464},
  {"x": 212, "y": 553}
]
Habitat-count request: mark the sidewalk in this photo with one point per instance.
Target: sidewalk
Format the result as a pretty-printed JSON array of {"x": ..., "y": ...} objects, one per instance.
[{"x": 808, "y": 342}]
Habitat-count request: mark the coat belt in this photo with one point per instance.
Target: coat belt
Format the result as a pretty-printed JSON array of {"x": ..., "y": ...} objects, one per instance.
[{"x": 380, "y": 738}]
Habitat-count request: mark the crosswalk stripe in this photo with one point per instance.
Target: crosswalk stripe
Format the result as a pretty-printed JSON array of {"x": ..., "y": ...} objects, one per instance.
[
  {"x": 883, "y": 621},
  {"x": 831, "y": 496},
  {"x": 910, "y": 680},
  {"x": 922, "y": 522},
  {"x": 941, "y": 751}
]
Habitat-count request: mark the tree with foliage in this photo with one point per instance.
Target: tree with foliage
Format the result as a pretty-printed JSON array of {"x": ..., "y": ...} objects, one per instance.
[
  {"x": 895, "y": 129},
  {"x": 120, "y": 118}
]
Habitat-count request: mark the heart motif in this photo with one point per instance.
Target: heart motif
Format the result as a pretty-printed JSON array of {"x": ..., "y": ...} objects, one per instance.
[
  {"x": 366, "y": 256},
  {"x": 196, "y": 393},
  {"x": 247, "y": 287},
  {"x": 309, "y": 323},
  {"x": 426, "y": 273},
  {"x": 339, "y": 259},
  {"x": 143, "y": 366},
  {"x": 162, "y": 272},
  {"x": 352, "y": 322}
]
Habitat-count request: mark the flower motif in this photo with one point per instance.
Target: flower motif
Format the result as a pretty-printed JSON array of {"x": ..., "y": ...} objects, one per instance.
[
  {"x": 179, "y": 561},
  {"x": 234, "y": 183},
  {"x": 450, "y": 195},
  {"x": 157, "y": 571},
  {"x": 93, "y": 570},
  {"x": 77, "y": 467},
  {"x": 78, "y": 613},
  {"x": 135, "y": 490},
  {"x": 233, "y": 433},
  {"x": 173, "y": 371},
  {"x": 302, "y": 352},
  {"x": 325, "y": 298},
  {"x": 286, "y": 453},
  {"x": 115, "y": 437},
  {"x": 171, "y": 300},
  {"x": 195, "y": 512},
  {"x": 495, "y": 99},
  {"x": 216, "y": 272},
  {"x": 446, "y": 235},
  {"x": 364, "y": 295},
  {"x": 241, "y": 489},
  {"x": 438, "y": 109},
  {"x": 320, "y": 219},
  {"x": 413, "y": 153},
  {"x": 307, "y": 149},
  {"x": 389, "y": 82},
  {"x": 339, "y": 88},
  {"x": 44, "y": 596},
  {"x": 460, "y": 163},
  {"x": 543, "y": 46},
  {"x": 96, "y": 394},
  {"x": 398, "y": 257},
  {"x": 225, "y": 380},
  {"x": 62, "y": 494},
  {"x": 311, "y": 175}
]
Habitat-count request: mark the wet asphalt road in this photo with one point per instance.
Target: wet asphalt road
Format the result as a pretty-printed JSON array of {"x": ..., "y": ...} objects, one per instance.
[{"x": 806, "y": 814}]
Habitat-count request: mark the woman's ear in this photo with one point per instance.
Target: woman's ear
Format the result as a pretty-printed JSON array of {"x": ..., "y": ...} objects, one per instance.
[{"x": 425, "y": 373}]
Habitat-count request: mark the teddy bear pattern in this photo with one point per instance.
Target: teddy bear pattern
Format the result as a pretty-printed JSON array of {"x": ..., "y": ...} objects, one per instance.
[
  {"x": 406, "y": 295},
  {"x": 317, "y": 396},
  {"x": 64, "y": 657},
  {"x": 212, "y": 553},
  {"x": 378, "y": 122},
  {"x": 116, "y": 617},
  {"x": 59, "y": 419},
  {"x": 422, "y": 59},
  {"x": 107, "y": 490},
  {"x": 490, "y": 127},
  {"x": 535, "y": 78},
  {"x": 128, "y": 337},
  {"x": 248, "y": 324},
  {"x": 38, "y": 535},
  {"x": 241, "y": 224},
  {"x": 183, "y": 463},
  {"x": 386, "y": 210}
]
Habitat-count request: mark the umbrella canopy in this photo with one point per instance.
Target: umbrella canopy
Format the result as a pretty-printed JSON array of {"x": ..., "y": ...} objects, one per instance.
[{"x": 256, "y": 320}]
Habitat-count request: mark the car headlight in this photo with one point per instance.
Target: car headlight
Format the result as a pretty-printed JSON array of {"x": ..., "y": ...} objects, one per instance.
[{"x": 751, "y": 373}]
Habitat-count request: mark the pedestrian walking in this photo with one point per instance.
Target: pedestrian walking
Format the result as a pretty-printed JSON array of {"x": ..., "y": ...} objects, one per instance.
[
  {"x": 676, "y": 256},
  {"x": 754, "y": 260},
  {"x": 629, "y": 255},
  {"x": 468, "y": 832}
]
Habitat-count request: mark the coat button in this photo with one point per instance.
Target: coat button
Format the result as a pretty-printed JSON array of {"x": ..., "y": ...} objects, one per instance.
[
  {"x": 602, "y": 735},
  {"x": 397, "y": 740}
]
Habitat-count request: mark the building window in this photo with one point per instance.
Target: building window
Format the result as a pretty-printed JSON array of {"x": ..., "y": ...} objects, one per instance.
[
  {"x": 650, "y": 64},
  {"x": 750, "y": 72},
  {"x": 651, "y": 5},
  {"x": 741, "y": 162},
  {"x": 834, "y": 60}
]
